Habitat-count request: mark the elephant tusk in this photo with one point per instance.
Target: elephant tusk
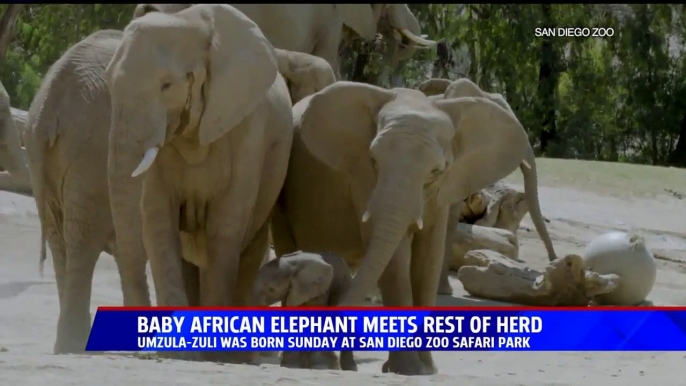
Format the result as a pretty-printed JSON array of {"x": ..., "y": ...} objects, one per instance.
[
  {"x": 417, "y": 39},
  {"x": 146, "y": 162},
  {"x": 420, "y": 223},
  {"x": 365, "y": 216},
  {"x": 526, "y": 164}
]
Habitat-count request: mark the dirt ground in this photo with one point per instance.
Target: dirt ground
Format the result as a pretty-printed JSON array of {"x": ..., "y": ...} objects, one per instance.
[{"x": 581, "y": 200}]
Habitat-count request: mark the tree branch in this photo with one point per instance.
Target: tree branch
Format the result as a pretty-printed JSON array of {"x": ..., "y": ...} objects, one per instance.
[{"x": 9, "y": 18}]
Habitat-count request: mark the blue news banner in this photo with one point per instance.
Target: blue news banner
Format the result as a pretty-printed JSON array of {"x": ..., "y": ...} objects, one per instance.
[{"x": 370, "y": 329}]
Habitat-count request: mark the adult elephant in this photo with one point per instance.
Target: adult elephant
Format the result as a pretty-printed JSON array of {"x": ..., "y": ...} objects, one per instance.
[
  {"x": 438, "y": 89},
  {"x": 16, "y": 178},
  {"x": 317, "y": 28},
  {"x": 66, "y": 140},
  {"x": 372, "y": 175},
  {"x": 202, "y": 117}
]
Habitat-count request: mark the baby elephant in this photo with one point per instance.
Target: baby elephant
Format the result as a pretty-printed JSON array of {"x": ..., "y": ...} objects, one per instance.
[{"x": 306, "y": 279}]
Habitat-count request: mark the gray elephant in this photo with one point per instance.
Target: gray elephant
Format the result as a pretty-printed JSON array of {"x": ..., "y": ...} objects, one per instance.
[
  {"x": 16, "y": 179},
  {"x": 306, "y": 279},
  {"x": 387, "y": 165},
  {"x": 66, "y": 140},
  {"x": 446, "y": 89},
  {"x": 317, "y": 28},
  {"x": 200, "y": 116}
]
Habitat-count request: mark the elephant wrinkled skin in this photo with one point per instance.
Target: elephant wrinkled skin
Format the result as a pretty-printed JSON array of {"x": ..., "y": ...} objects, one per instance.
[
  {"x": 203, "y": 118},
  {"x": 373, "y": 173}
]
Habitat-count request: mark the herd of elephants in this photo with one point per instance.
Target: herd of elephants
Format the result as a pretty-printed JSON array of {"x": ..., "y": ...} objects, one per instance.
[{"x": 202, "y": 133}]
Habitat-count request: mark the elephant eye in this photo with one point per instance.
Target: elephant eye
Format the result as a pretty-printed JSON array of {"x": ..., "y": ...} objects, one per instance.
[{"x": 165, "y": 86}]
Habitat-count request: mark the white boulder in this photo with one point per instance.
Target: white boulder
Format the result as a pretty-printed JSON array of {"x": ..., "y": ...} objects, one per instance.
[{"x": 626, "y": 256}]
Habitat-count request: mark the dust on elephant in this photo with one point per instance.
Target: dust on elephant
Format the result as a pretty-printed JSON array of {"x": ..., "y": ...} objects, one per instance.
[
  {"x": 373, "y": 173},
  {"x": 16, "y": 178},
  {"x": 317, "y": 28},
  {"x": 203, "y": 118},
  {"x": 66, "y": 140},
  {"x": 466, "y": 88},
  {"x": 305, "y": 279}
]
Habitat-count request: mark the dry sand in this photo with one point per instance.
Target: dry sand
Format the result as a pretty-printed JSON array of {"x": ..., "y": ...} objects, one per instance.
[{"x": 581, "y": 200}]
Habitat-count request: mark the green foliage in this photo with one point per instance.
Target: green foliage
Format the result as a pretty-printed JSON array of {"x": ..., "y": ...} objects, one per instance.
[
  {"x": 43, "y": 33},
  {"x": 615, "y": 98}
]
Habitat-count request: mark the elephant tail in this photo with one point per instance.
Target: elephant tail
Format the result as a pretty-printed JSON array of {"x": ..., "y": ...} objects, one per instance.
[
  {"x": 43, "y": 254},
  {"x": 528, "y": 168}
]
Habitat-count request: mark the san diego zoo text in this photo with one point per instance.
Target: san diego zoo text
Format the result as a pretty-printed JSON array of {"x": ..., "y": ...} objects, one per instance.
[
  {"x": 594, "y": 32},
  {"x": 332, "y": 343}
]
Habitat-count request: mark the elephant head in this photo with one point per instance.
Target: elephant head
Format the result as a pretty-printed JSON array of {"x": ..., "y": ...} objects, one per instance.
[
  {"x": 305, "y": 74},
  {"x": 395, "y": 22},
  {"x": 294, "y": 279},
  {"x": 412, "y": 154},
  {"x": 401, "y": 30},
  {"x": 192, "y": 75}
]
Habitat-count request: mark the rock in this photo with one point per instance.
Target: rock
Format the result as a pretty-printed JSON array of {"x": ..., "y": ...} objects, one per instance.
[{"x": 564, "y": 282}]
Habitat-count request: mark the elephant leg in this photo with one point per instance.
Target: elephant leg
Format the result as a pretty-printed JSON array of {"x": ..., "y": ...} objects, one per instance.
[
  {"x": 134, "y": 279},
  {"x": 444, "y": 287},
  {"x": 396, "y": 291},
  {"x": 250, "y": 263},
  {"x": 348, "y": 361},
  {"x": 282, "y": 235},
  {"x": 160, "y": 216},
  {"x": 84, "y": 242},
  {"x": 427, "y": 261},
  {"x": 191, "y": 281}
]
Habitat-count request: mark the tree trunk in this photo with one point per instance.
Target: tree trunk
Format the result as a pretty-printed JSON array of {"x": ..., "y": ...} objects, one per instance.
[
  {"x": 548, "y": 76},
  {"x": 678, "y": 156},
  {"x": 9, "y": 18}
]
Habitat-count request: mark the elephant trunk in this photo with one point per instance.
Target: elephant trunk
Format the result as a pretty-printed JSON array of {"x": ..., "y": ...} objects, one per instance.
[
  {"x": 393, "y": 211},
  {"x": 531, "y": 195},
  {"x": 125, "y": 153}
]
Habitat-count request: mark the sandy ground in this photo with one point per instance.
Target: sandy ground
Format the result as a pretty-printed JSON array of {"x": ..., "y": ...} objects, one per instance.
[{"x": 578, "y": 206}]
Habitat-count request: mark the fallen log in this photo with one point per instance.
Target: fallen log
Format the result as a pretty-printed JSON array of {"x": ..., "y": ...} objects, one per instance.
[
  {"x": 505, "y": 208},
  {"x": 564, "y": 282},
  {"x": 469, "y": 237}
]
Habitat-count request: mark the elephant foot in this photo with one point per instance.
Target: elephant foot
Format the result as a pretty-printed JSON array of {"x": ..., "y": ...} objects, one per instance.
[
  {"x": 62, "y": 347},
  {"x": 348, "y": 363},
  {"x": 444, "y": 287},
  {"x": 324, "y": 360},
  {"x": 292, "y": 360},
  {"x": 191, "y": 356},
  {"x": 407, "y": 363}
]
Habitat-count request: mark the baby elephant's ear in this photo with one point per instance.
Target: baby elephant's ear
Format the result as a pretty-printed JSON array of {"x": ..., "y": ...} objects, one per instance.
[{"x": 312, "y": 278}]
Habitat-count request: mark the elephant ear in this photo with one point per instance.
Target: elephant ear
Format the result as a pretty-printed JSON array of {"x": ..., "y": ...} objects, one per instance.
[
  {"x": 488, "y": 145},
  {"x": 241, "y": 69},
  {"x": 434, "y": 86},
  {"x": 339, "y": 123},
  {"x": 359, "y": 17},
  {"x": 312, "y": 277}
]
